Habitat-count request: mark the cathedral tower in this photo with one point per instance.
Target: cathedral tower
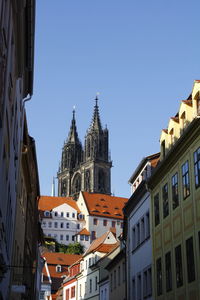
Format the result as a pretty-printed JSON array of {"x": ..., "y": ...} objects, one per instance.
[
  {"x": 72, "y": 154},
  {"x": 88, "y": 169}
]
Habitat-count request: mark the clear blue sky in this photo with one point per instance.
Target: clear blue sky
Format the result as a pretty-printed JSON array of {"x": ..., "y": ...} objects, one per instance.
[{"x": 142, "y": 56}]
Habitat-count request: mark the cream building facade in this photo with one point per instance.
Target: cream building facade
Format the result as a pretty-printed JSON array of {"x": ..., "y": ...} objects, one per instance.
[{"x": 175, "y": 205}]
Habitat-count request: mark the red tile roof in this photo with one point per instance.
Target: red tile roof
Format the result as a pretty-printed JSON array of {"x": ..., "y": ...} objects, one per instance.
[
  {"x": 104, "y": 205},
  {"x": 49, "y": 202},
  {"x": 106, "y": 248},
  {"x": 83, "y": 231},
  {"x": 96, "y": 244},
  {"x": 57, "y": 258},
  {"x": 53, "y": 259}
]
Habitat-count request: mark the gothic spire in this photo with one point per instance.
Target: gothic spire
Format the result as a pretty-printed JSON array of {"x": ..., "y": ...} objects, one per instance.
[
  {"x": 73, "y": 135},
  {"x": 96, "y": 123}
]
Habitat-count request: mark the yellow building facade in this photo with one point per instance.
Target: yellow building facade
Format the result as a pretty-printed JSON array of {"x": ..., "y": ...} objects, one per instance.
[{"x": 175, "y": 206}]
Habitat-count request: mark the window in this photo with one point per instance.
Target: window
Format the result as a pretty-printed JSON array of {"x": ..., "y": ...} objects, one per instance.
[
  {"x": 61, "y": 237},
  {"x": 165, "y": 201},
  {"x": 86, "y": 237},
  {"x": 105, "y": 222},
  {"x": 147, "y": 225},
  {"x": 139, "y": 287},
  {"x": 138, "y": 233},
  {"x": 56, "y": 224},
  {"x": 147, "y": 284},
  {"x": 67, "y": 225},
  {"x": 115, "y": 279},
  {"x": 55, "y": 214},
  {"x": 62, "y": 214},
  {"x": 111, "y": 282},
  {"x": 61, "y": 225},
  {"x": 93, "y": 235},
  {"x": 190, "y": 260},
  {"x": 86, "y": 264},
  {"x": 67, "y": 237},
  {"x": 82, "y": 237},
  {"x": 95, "y": 221},
  {"x": 49, "y": 224},
  {"x": 156, "y": 210},
  {"x": 73, "y": 215},
  {"x": 197, "y": 167},
  {"x": 119, "y": 275},
  {"x": 96, "y": 283},
  {"x": 90, "y": 285},
  {"x": 80, "y": 291},
  {"x": 78, "y": 226},
  {"x": 44, "y": 224},
  {"x": 47, "y": 213},
  {"x": 133, "y": 289},
  {"x": 73, "y": 237},
  {"x": 90, "y": 260},
  {"x": 185, "y": 180},
  {"x": 142, "y": 230},
  {"x": 113, "y": 223},
  {"x": 175, "y": 200},
  {"x": 55, "y": 236},
  {"x": 72, "y": 291},
  {"x": 133, "y": 238},
  {"x": 159, "y": 276},
  {"x": 67, "y": 294},
  {"x": 121, "y": 225},
  {"x": 178, "y": 262},
  {"x": 168, "y": 271},
  {"x": 58, "y": 268},
  {"x": 67, "y": 215}
]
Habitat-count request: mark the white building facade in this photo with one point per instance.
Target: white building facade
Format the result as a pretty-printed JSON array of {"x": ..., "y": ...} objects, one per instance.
[{"x": 137, "y": 233}]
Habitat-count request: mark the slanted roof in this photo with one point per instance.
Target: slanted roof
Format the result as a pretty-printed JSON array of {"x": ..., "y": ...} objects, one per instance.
[
  {"x": 104, "y": 205},
  {"x": 84, "y": 231},
  {"x": 49, "y": 203},
  {"x": 57, "y": 258},
  {"x": 53, "y": 259},
  {"x": 98, "y": 243}
]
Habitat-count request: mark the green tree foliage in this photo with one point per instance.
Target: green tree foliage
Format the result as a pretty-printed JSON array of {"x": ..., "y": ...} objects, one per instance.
[{"x": 75, "y": 248}]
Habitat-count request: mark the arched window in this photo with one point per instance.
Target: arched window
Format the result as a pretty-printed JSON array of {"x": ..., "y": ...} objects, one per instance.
[
  {"x": 76, "y": 186},
  {"x": 58, "y": 268},
  {"x": 88, "y": 147},
  {"x": 101, "y": 181}
]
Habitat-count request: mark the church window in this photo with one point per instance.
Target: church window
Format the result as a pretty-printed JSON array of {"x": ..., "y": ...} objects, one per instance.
[
  {"x": 101, "y": 181},
  {"x": 76, "y": 187},
  {"x": 88, "y": 147},
  {"x": 87, "y": 180}
]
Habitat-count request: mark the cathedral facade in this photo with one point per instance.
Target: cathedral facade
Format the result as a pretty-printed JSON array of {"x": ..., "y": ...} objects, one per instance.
[{"x": 88, "y": 167}]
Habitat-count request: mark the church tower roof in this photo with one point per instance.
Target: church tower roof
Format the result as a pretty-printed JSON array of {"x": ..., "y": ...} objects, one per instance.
[
  {"x": 73, "y": 135},
  {"x": 96, "y": 123}
]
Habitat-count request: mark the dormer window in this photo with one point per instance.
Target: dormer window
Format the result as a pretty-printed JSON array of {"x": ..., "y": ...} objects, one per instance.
[
  {"x": 47, "y": 213},
  {"x": 171, "y": 136},
  {"x": 183, "y": 120},
  {"x": 58, "y": 268}
]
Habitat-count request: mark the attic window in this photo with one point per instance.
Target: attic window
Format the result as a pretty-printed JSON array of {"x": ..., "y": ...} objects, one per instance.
[
  {"x": 97, "y": 204},
  {"x": 95, "y": 210},
  {"x": 47, "y": 213},
  {"x": 105, "y": 206},
  {"x": 58, "y": 268},
  {"x": 116, "y": 207},
  {"x": 106, "y": 212},
  {"x": 102, "y": 199},
  {"x": 117, "y": 214}
]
